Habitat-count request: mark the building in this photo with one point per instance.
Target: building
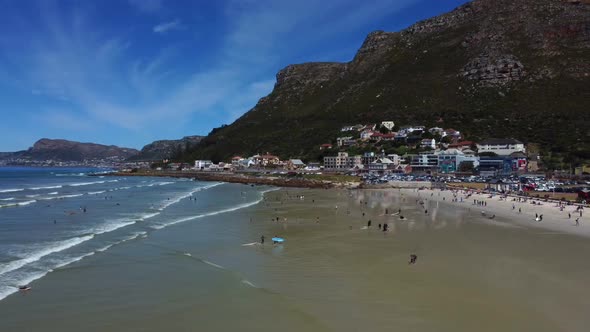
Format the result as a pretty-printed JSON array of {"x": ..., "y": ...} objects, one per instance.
[
  {"x": 450, "y": 160},
  {"x": 366, "y": 134},
  {"x": 326, "y": 146},
  {"x": 236, "y": 161},
  {"x": 203, "y": 164},
  {"x": 294, "y": 164},
  {"x": 369, "y": 157},
  {"x": 455, "y": 135},
  {"x": 340, "y": 141},
  {"x": 388, "y": 124},
  {"x": 436, "y": 131},
  {"x": 428, "y": 143},
  {"x": 382, "y": 165},
  {"x": 266, "y": 160},
  {"x": 342, "y": 162},
  {"x": 462, "y": 145},
  {"x": 500, "y": 146},
  {"x": 582, "y": 170},
  {"x": 424, "y": 162},
  {"x": 502, "y": 165},
  {"x": 395, "y": 158}
]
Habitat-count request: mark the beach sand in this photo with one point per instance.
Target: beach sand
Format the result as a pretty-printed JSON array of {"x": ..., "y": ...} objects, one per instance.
[{"x": 332, "y": 274}]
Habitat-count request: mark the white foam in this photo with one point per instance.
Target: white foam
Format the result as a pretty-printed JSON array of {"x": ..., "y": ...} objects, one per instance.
[
  {"x": 85, "y": 183},
  {"x": 105, "y": 248},
  {"x": 11, "y": 286},
  {"x": 18, "y": 204},
  {"x": 31, "y": 196},
  {"x": 53, "y": 193},
  {"x": 37, "y": 255},
  {"x": 7, "y": 199},
  {"x": 208, "y": 214},
  {"x": 213, "y": 264},
  {"x": 246, "y": 282},
  {"x": 149, "y": 215},
  {"x": 71, "y": 260},
  {"x": 112, "y": 226},
  {"x": 48, "y": 187},
  {"x": 10, "y": 190},
  {"x": 180, "y": 198},
  {"x": 97, "y": 192}
]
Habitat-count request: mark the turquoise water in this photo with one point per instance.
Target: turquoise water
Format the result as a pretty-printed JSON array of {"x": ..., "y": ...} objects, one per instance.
[{"x": 50, "y": 218}]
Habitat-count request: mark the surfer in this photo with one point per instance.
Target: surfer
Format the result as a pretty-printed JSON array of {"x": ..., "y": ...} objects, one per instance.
[
  {"x": 24, "y": 288},
  {"x": 402, "y": 218},
  {"x": 413, "y": 259},
  {"x": 262, "y": 239}
]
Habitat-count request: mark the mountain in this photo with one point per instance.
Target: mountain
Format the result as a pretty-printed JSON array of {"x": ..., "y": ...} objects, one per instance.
[
  {"x": 63, "y": 150},
  {"x": 166, "y": 148},
  {"x": 490, "y": 68}
]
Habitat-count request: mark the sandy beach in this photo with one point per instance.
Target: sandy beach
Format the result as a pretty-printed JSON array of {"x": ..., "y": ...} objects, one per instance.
[{"x": 518, "y": 212}]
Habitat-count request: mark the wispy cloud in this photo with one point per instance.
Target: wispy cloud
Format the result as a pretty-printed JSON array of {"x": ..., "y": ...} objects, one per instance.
[
  {"x": 168, "y": 26},
  {"x": 107, "y": 79}
]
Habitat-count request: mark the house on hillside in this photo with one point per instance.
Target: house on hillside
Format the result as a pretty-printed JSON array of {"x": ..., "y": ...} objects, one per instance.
[
  {"x": 453, "y": 134},
  {"x": 235, "y": 161},
  {"x": 326, "y": 146},
  {"x": 436, "y": 131},
  {"x": 428, "y": 143},
  {"x": 388, "y": 124},
  {"x": 366, "y": 134},
  {"x": 340, "y": 141},
  {"x": 461, "y": 145}
]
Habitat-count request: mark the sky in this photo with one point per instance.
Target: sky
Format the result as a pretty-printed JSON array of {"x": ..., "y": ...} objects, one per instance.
[{"x": 128, "y": 72}]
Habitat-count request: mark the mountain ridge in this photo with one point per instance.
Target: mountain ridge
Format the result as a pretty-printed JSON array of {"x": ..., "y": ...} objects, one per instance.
[{"x": 488, "y": 68}]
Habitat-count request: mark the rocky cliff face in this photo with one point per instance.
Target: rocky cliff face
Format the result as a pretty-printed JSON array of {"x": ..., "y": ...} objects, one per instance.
[
  {"x": 514, "y": 68},
  {"x": 63, "y": 150},
  {"x": 164, "y": 149}
]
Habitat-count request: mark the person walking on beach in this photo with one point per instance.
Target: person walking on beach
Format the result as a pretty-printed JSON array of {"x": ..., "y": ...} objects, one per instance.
[
  {"x": 379, "y": 226},
  {"x": 519, "y": 210},
  {"x": 569, "y": 215},
  {"x": 385, "y": 227},
  {"x": 262, "y": 239},
  {"x": 577, "y": 221},
  {"x": 369, "y": 223}
]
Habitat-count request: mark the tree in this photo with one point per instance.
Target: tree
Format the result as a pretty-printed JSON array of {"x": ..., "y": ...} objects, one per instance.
[{"x": 384, "y": 130}]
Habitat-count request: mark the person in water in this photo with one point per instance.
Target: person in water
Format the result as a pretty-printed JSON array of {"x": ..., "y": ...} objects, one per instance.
[
  {"x": 262, "y": 239},
  {"x": 413, "y": 259}
]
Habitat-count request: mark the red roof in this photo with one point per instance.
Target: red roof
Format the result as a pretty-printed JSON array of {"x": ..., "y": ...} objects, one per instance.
[
  {"x": 269, "y": 156},
  {"x": 326, "y": 145},
  {"x": 236, "y": 158},
  {"x": 461, "y": 144}
]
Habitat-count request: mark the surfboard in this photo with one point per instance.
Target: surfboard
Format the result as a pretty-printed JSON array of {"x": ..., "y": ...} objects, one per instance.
[
  {"x": 278, "y": 239},
  {"x": 250, "y": 244}
]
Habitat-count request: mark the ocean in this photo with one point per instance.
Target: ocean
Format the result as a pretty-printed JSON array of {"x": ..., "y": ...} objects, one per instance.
[{"x": 53, "y": 217}]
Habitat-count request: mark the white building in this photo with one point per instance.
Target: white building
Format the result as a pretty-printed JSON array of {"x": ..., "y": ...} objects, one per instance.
[
  {"x": 203, "y": 164},
  {"x": 381, "y": 165},
  {"x": 428, "y": 143},
  {"x": 340, "y": 141},
  {"x": 342, "y": 162},
  {"x": 366, "y": 134},
  {"x": 450, "y": 160},
  {"x": 388, "y": 124},
  {"x": 395, "y": 158},
  {"x": 500, "y": 146}
]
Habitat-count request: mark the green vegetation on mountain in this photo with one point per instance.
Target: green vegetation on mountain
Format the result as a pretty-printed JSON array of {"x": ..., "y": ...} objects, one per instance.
[{"x": 490, "y": 68}]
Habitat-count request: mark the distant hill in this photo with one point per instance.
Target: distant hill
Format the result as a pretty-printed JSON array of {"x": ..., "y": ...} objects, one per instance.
[
  {"x": 164, "y": 149},
  {"x": 490, "y": 68},
  {"x": 63, "y": 150}
]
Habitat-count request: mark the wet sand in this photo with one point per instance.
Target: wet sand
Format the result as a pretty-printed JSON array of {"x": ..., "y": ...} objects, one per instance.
[{"x": 472, "y": 273}]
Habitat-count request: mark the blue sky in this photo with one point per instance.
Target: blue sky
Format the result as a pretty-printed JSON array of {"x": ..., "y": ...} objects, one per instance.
[{"x": 127, "y": 72}]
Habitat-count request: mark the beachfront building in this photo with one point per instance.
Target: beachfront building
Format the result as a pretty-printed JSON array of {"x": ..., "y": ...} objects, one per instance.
[
  {"x": 490, "y": 166},
  {"x": 424, "y": 162},
  {"x": 382, "y": 165},
  {"x": 294, "y": 164},
  {"x": 449, "y": 160},
  {"x": 369, "y": 157},
  {"x": 395, "y": 158},
  {"x": 202, "y": 164},
  {"x": 342, "y": 162},
  {"x": 266, "y": 160},
  {"x": 501, "y": 146}
]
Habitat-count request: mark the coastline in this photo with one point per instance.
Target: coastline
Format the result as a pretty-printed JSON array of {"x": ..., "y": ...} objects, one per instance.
[{"x": 278, "y": 181}]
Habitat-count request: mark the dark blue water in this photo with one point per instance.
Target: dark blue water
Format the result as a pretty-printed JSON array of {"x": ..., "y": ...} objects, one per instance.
[{"x": 52, "y": 217}]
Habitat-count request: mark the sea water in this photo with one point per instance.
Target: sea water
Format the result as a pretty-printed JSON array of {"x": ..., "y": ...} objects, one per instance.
[{"x": 52, "y": 217}]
